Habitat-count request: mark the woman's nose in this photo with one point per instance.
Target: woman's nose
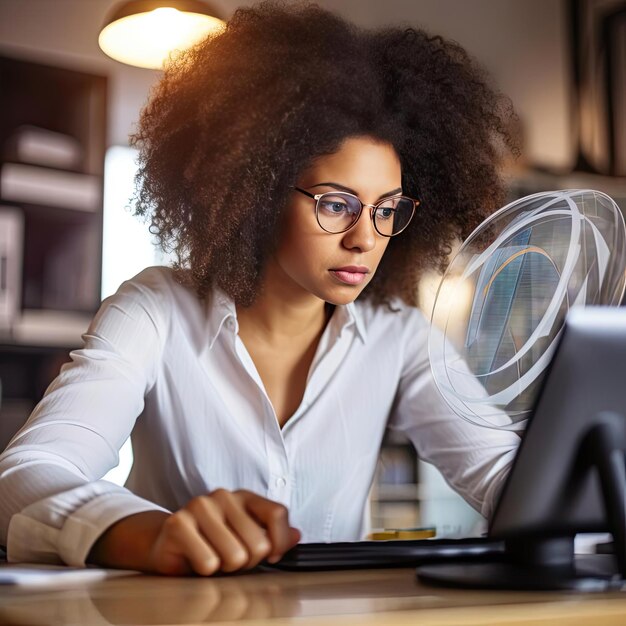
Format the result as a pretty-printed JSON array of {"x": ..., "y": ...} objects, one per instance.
[{"x": 362, "y": 235}]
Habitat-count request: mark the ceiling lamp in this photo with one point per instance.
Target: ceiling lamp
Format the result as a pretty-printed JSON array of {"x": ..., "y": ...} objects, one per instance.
[{"x": 146, "y": 32}]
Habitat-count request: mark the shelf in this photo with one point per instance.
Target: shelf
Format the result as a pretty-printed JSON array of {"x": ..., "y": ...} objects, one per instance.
[
  {"x": 53, "y": 188},
  {"x": 60, "y": 100},
  {"x": 52, "y": 144},
  {"x": 52, "y": 147},
  {"x": 42, "y": 327},
  {"x": 395, "y": 493},
  {"x": 526, "y": 182}
]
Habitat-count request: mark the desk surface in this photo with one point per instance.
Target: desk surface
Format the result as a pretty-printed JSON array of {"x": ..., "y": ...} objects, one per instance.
[{"x": 389, "y": 597}]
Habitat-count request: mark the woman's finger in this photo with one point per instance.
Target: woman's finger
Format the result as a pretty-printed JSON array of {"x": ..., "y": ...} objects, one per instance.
[
  {"x": 211, "y": 521},
  {"x": 244, "y": 527},
  {"x": 274, "y": 517},
  {"x": 180, "y": 537}
]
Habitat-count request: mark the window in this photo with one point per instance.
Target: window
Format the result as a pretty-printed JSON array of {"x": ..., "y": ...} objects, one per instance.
[{"x": 127, "y": 248}]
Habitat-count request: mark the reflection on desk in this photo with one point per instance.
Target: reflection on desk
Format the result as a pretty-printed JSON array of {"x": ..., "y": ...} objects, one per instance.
[{"x": 389, "y": 597}]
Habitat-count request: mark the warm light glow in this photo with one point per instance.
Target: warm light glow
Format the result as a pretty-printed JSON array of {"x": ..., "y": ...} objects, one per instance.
[
  {"x": 454, "y": 303},
  {"x": 148, "y": 39}
]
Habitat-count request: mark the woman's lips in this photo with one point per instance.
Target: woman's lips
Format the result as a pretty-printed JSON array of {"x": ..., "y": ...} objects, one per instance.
[{"x": 350, "y": 275}]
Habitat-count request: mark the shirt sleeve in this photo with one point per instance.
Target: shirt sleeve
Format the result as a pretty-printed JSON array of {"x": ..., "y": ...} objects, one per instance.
[
  {"x": 54, "y": 504},
  {"x": 474, "y": 460}
]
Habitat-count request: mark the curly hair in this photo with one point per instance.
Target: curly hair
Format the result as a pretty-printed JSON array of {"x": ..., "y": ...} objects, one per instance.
[{"x": 236, "y": 119}]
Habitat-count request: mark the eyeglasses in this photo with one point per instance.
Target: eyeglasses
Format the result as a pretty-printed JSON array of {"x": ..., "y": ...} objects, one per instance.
[{"x": 339, "y": 211}]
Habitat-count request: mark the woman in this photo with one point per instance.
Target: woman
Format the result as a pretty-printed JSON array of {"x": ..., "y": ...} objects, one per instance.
[{"x": 305, "y": 172}]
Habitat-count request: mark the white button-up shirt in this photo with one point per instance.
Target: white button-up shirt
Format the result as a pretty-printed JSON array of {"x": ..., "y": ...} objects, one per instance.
[{"x": 170, "y": 369}]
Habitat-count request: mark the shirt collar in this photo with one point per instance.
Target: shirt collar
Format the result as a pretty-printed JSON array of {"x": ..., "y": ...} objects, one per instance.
[
  {"x": 346, "y": 315},
  {"x": 221, "y": 312}
]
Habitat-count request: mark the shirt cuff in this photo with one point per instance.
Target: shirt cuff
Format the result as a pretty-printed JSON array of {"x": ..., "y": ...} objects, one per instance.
[{"x": 33, "y": 541}]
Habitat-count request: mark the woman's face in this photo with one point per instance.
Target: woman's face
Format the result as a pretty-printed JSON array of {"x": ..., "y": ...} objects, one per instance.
[{"x": 337, "y": 267}]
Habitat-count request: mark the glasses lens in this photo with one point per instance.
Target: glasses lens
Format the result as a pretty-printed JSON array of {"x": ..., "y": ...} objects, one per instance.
[
  {"x": 393, "y": 215},
  {"x": 337, "y": 211}
]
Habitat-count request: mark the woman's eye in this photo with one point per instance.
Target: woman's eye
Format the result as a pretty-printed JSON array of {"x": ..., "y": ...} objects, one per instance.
[
  {"x": 385, "y": 212},
  {"x": 335, "y": 208}
]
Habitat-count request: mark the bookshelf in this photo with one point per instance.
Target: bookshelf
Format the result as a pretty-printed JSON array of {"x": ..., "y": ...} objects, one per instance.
[
  {"x": 394, "y": 495},
  {"x": 52, "y": 147},
  {"x": 409, "y": 493}
]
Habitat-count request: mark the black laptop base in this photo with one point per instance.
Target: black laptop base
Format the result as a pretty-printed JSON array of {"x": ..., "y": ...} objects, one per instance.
[
  {"x": 593, "y": 572},
  {"x": 375, "y": 554},
  {"x": 531, "y": 564}
]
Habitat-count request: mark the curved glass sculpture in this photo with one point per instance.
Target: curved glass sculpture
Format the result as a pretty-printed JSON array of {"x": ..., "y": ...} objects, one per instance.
[{"x": 501, "y": 303}]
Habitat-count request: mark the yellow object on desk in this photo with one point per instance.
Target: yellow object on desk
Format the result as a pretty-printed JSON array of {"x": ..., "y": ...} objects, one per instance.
[{"x": 402, "y": 533}]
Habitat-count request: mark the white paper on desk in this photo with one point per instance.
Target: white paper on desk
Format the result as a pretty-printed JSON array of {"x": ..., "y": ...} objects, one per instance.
[{"x": 27, "y": 575}]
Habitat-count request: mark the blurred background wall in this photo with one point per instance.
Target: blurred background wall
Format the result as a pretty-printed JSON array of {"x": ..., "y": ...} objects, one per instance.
[{"x": 523, "y": 43}]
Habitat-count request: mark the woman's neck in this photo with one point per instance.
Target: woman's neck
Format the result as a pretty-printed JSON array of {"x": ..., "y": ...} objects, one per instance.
[
  {"x": 281, "y": 313},
  {"x": 279, "y": 321}
]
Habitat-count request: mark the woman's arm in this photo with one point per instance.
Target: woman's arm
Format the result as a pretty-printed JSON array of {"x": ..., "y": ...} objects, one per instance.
[
  {"x": 223, "y": 531},
  {"x": 53, "y": 503},
  {"x": 55, "y": 508},
  {"x": 473, "y": 459}
]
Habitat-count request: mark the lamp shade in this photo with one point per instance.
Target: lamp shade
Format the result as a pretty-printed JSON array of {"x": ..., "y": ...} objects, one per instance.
[{"x": 145, "y": 33}]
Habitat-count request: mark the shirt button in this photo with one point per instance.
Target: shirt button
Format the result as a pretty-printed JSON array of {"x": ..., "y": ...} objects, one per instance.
[
  {"x": 230, "y": 323},
  {"x": 281, "y": 482}
]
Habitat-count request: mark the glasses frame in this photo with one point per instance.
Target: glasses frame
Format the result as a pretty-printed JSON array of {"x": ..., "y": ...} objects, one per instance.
[{"x": 373, "y": 209}]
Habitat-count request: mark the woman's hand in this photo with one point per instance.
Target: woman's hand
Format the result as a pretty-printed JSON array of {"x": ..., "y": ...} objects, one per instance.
[{"x": 222, "y": 531}]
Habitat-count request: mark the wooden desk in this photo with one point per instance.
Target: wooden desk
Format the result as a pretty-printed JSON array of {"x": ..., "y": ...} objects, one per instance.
[{"x": 389, "y": 597}]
